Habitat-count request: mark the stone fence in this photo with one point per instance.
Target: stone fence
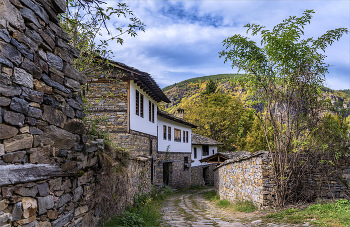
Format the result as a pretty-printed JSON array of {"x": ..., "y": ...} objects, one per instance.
[{"x": 250, "y": 177}]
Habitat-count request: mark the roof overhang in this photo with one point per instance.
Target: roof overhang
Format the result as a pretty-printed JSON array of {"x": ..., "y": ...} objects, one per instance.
[
  {"x": 215, "y": 158},
  {"x": 169, "y": 116}
]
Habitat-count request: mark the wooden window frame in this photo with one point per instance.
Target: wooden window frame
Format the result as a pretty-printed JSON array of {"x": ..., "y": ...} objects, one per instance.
[
  {"x": 186, "y": 136},
  {"x": 195, "y": 152},
  {"x": 169, "y": 133},
  {"x": 205, "y": 150},
  {"x": 152, "y": 112},
  {"x": 141, "y": 105},
  {"x": 137, "y": 103},
  {"x": 177, "y": 135},
  {"x": 164, "y": 132}
]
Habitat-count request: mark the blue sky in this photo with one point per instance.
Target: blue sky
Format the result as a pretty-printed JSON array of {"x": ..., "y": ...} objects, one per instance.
[{"x": 183, "y": 38}]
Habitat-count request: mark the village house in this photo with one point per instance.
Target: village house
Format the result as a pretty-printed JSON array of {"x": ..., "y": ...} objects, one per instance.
[{"x": 202, "y": 147}]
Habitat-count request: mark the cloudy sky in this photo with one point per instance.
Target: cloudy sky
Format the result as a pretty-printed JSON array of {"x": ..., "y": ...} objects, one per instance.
[{"x": 183, "y": 38}]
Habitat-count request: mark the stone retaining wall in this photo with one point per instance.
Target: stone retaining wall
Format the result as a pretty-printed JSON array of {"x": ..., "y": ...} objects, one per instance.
[
  {"x": 251, "y": 178},
  {"x": 197, "y": 175}
]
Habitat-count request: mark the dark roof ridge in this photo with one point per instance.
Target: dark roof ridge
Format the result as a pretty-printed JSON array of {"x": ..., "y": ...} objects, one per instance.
[
  {"x": 167, "y": 115},
  {"x": 198, "y": 139}
]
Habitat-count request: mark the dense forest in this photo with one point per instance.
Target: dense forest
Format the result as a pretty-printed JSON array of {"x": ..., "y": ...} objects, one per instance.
[{"x": 218, "y": 106}]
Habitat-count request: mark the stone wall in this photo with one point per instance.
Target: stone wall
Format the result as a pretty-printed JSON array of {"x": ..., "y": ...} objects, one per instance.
[
  {"x": 251, "y": 178},
  {"x": 180, "y": 173},
  {"x": 197, "y": 175}
]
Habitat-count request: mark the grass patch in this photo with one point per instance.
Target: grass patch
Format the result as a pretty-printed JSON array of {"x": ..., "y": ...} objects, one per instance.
[
  {"x": 211, "y": 195},
  {"x": 224, "y": 203},
  {"x": 333, "y": 214},
  {"x": 196, "y": 187},
  {"x": 144, "y": 212},
  {"x": 245, "y": 206}
]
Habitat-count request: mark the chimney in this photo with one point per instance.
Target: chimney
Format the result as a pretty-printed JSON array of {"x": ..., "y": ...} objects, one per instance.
[{"x": 180, "y": 113}]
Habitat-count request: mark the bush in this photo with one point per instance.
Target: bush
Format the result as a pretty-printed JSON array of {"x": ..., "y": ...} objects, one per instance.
[{"x": 246, "y": 206}]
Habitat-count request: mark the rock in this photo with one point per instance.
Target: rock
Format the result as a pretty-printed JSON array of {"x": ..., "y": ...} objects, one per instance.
[
  {"x": 42, "y": 54},
  {"x": 10, "y": 91},
  {"x": 13, "y": 118},
  {"x": 30, "y": 120},
  {"x": 80, "y": 114},
  {"x": 34, "y": 36},
  {"x": 21, "y": 77},
  {"x": 19, "y": 105},
  {"x": 26, "y": 221},
  {"x": 43, "y": 189},
  {"x": 60, "y": 5},
  {"x": 64, "y": 219},
  {"x": 21, "y": 48},
  {"x": 12, "y": 15},
  {"x": 28, "y": 14},
  {"x": 43, "y": 224},
  {"x": 256, "y": 222},
  {"x": 5, "y": 217},
  {"x": 33, "y": 69},
  {"x": 10, "y": 53},
  {"x": 34, "y": 112},
  {"x": 64, "y": 199},
  {"x": 2, "y": 149},
  {"x": 4, "y": 60},
  {"x": 32, "y": 95},
  {"x": 17, "y": 212},
  {"x": 5, "y": 79},
  {"x": 4, "y": 101},
  {"x": 7, "y": 131},
  {"x": 42, "y": 87},
  {"x": 40, "y": 155},
  {"x": 48, "y": 100},
  {"x": 82, "y": 180},
  {"x": 37, "y": 9},
  {"x": 27, "y": 192},
  {"x": 67, "y": 110},
  {"x": 52, "y": 214},
  {"x": 14, "y": 157},
  {"x": 18, "y": 142},
  {"x": 56, "y": 137},
  {"x": 55, "y": 84},
  {"x": 57, "y": 78},
  {"x": 81, "y": 210},
  {"x": 45, "y": 203},
  {"x": 1, "y": 115},
  {"x": 54, "y": 61},
  {"x": 64, "y": 54},
  {"x": 3, "y": 204},
  {"x": 22, "y": 38},
  {"x": 48, "y": 40},
  {"x": 54, "y": 116},
  {"x": 24, "y": 129},
  {"x": 30, "y": 206},
  {"x": 75, "y": 85},
  {"x": 4, "y": 34},
  {"x": 75, "y": 126},
  {"x": 75, "y": 104},
  {"x": 35, "y": 131},
  {"x": 71, "y": 72},
  {"x": 69, "y": 166},
  {"x": 55, "y": 184}
]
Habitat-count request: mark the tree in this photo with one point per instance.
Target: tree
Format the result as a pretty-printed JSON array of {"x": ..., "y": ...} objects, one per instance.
[
  {"x": 211, "y": 87},
  {"x": 285, "y": 75},
  {"x": 86, "y": 20},
  {"x": 219, "y": 116}
]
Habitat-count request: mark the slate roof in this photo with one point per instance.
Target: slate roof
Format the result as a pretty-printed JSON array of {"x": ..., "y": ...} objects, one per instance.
[
  {"x": 142, "y": 79},
  {"x": 174, "y": 118},
  {"x": 220, "y": 157},
  {"x": 202, "y": 140}
]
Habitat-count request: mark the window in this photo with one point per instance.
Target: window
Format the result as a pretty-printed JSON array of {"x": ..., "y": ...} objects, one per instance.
[
  {"x": 205, "y": 149},
  {"x": 185, "y": 160},
  {"x": 213, "y": 151},
  {"x": 177, "y": 135},
  {"x": 169, "y": 133},
  {"x": 195, "y": 152},
  {"x": 186, "y": 136},
  {"x": 164, "y": 132},
  {"x": 141, "y": 105},
  {"x": 137, "y": 103},
  {"x": 152, "y": 112}
]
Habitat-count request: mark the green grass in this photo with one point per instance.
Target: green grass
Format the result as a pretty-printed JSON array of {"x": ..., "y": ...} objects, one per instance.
[
  {"x": 211, "y": 195},
  {"x": 196, "y": 187},
  {"x": 245, "y": 206},
  {"x": 144, "y": 212},
  {"x": 321, "y": 214},
  {"x": 223, "y": 203}
]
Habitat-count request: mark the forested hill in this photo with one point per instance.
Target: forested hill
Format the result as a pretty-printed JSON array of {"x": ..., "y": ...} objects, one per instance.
[{"x": 194, "y": 86}]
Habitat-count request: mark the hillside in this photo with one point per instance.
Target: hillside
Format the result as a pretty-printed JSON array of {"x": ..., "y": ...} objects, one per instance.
[{"x": 194, "y": 86}]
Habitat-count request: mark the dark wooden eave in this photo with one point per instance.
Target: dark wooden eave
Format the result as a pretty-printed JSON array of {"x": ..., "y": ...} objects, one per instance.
[
  {"x": 217, "y": 158},
  {"x": 169, "y": 116}
]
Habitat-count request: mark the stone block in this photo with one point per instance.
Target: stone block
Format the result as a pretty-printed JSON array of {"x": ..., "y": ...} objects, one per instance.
[
  {"x": 77, "y": 193},
  {"x": 14, "y": 157},
  {"x": 30, "y": 120},
  {"x": 55, "y": 184},
  {"x": 35, "y": 131},
  {"x": 4, "y": 34},
  {"x": 22, "y": 38},
  {"x": 52, "y": 214},
  {"x": 2, "y": 149},
  {"x": 10, "y": 53},
  {"x": 5, "y": 101},
  {"x": 27, "y": 192},
  {"x": 69, "y": 111},
  {"x": 12, "y": 15},
  {"x": 19, "y": 105},
  {"x": 75, "y": 104},
  {"x": 75, "y": 126},
  {"x": 81, "y": 210},
  {"x": 64, "y": 199},
  {"x": 64, "y": 54},
  {"x": 5, "y": 79},
  {"x": 21, "y": 77},
  {"x": 45, "y": 203},
  {"x": 28, "y": 14},
  {"x": 26, "y": 221},
  {"x": 55, "y": 84},
  {"x": 75, "y": 85},
  {"x": 64, "y": 219},
  {"x": 40, "y": 155},
  {"x": 4, "y": 61},
  {"x": 34, "y": 36},
  {"x": 3, "y": 204},
  {"x": 5, "y": 217},
  {"x": 37, "y": 9},
  {"x": 24, "y": 50},
  {"x": 42, "y": 87},
  {"x": 9, "y": 90},
  {"x": 13, "y": 118},
  {"x": 18, "y": 142},
  {"x": 43, "y": 189},
  {"x": 54, "y": 61},
  {"x": 34, "y": 112},
  {"x": 54, "y": 116},
  {"x": 33, "y": 69},
  {"x": 32, "y": 95},
  {"x": 69, "y": 166},
  {"x": 30, "y": 207}
]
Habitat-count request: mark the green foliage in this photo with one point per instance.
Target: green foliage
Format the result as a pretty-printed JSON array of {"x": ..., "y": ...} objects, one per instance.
[
  {"x": 196, "y": 187},
  {"x": 321, "y": 214},
  {"x": 210, "y": 87},
  {"x": 345, "y": 91},
  {"x": 245, "y": 206},
  {"x": 211, "y": 195},
  {"x": 224, "y": 203},
  {"x": 256, "y": 139}
]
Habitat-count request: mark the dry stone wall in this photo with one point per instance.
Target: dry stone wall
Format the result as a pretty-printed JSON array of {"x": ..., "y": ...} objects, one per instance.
[{"x": 48, "y": 171}]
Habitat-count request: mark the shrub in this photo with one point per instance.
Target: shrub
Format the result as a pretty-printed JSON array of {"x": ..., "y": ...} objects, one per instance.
[{"x": 246, "y": 206}]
